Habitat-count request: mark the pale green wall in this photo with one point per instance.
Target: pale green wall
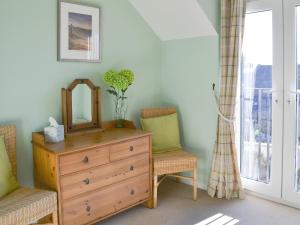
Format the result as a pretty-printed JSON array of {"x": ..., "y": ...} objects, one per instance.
[
  {"x": 180, "y": 72},
  {"x": 31, "y": 78},
  {"x": 189, "y": 67}
]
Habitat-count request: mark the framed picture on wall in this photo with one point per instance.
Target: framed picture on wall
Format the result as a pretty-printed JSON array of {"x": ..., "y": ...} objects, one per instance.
[{"x": 79, "y": 33}]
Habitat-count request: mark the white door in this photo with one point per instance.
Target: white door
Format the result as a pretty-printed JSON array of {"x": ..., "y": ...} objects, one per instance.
[
  {"x": 291, "y": 147},
  {"x": 270, "y": 100},
  {"x": 261, "y": 98}
]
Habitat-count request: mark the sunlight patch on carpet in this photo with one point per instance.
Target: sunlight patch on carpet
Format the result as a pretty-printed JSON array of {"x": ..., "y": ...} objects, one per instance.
[{"x": 218, "y": 219}]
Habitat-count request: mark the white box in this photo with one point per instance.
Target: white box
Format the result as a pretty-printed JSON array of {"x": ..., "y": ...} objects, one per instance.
[{"x": 54, "y": 134}]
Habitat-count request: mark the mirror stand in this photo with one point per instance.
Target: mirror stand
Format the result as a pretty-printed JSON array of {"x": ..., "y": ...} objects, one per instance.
[{"x": 81, "y": 107}]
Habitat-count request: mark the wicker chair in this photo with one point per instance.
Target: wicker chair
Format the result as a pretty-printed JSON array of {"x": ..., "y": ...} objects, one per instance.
[
  {"x": 25, "y": 206},
  {"x": 170, "y": 163}
]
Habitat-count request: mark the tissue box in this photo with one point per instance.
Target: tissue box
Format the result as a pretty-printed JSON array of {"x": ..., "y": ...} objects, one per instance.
[{"x": 54, "y": 134}]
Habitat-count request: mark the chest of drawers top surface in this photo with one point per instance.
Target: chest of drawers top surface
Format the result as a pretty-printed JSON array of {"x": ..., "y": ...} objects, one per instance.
[{"x": 81, "y": 142}]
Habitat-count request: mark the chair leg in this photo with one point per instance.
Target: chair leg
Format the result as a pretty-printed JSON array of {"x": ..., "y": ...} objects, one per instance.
[
  {"x": 155, "y": 187},
  {"x": 195, "y": 188}
]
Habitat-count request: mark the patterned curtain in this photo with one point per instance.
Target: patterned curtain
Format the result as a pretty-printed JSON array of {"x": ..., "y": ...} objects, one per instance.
[{"x": 225, "y": 180}]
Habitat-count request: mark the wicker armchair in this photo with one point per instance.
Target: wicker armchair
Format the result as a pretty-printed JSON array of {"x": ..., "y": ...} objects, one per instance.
[
  {"x": 170, "y": 163},
  {"x": 25, "y": 206}
]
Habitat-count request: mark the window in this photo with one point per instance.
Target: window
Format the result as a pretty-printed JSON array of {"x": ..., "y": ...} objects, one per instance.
[{"x": 256, "y": 97}]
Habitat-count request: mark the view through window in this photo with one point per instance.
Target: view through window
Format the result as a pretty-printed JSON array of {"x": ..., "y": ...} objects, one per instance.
[{"x": 256, "y": 97}]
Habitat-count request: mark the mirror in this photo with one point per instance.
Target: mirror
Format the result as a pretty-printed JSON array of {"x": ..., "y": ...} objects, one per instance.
[{"x": 81, "y": 104}]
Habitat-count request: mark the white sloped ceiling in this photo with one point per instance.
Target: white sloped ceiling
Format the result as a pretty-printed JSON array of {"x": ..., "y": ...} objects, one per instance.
[{"x": 175, "y": 19}]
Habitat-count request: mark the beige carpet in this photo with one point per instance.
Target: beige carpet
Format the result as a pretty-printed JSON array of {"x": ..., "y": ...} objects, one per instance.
[{"x": 175, "y": 207}]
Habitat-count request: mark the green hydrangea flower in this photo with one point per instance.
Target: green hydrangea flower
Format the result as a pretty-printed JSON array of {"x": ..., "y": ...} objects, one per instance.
[
  {"x": 128, "y": 74},
  {"x": 119, "y": 81},
  {"x": 110, "y": 77}
]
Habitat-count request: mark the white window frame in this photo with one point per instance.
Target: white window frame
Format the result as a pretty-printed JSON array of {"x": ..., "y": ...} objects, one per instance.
[
  {"x": 289, "y": 193},
  {"x": 273, "y": 189}
]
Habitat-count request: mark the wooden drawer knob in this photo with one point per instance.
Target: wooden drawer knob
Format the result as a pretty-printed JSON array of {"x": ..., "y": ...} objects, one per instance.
[
  {"x": 131, "y": 148},
  {"x": 85, "y": 160},
  {"x": 88, "y": 208},
  {"x": 132, "y": 192},
  {"x": 131, "y": 168},
  {"x": 86, "y": 181}
]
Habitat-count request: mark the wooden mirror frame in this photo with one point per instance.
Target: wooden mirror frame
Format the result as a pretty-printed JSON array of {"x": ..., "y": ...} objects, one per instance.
[{"x": 67, "y": 108}]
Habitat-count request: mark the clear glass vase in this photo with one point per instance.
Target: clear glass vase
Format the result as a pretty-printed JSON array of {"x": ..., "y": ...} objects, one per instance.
[{"x": 120, "y": 112}]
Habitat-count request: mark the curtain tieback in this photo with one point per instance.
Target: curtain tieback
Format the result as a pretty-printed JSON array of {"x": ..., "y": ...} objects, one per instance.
[{"x": 228, "y": 120}]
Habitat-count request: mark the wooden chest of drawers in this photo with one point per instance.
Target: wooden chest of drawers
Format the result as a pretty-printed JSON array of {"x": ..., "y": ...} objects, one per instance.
[{"x": 95, "y": 175}]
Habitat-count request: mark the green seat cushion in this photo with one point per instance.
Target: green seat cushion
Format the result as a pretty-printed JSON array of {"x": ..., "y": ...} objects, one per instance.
[
  {"x": 8, "y": 182},
  {"x": 165, "y": 132}
]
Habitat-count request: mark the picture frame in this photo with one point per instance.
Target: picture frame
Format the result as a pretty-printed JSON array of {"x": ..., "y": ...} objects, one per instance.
[{"x": 79, "y": 32}]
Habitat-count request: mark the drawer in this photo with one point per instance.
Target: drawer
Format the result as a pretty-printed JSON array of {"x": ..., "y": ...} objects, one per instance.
[
  {"x": 83, "y": 160},
  {"x": 95, "y": 178},
  {"x": 129, "y": 148},
  {"x": 102, "y": 203}
]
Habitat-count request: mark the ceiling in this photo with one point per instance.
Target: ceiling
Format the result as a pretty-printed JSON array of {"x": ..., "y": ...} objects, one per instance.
[{"x": 175, "y": 19}]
